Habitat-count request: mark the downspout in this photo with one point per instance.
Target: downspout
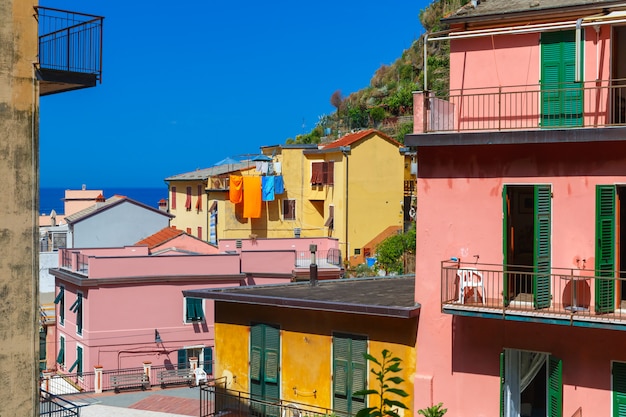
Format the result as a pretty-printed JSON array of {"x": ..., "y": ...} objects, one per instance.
[
  {"x": 425, "y": 62},
  {"x": 346, "y": 151}
]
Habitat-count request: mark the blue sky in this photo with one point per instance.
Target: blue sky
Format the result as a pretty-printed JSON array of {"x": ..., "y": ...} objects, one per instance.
[{"x": 188, "y": 83}]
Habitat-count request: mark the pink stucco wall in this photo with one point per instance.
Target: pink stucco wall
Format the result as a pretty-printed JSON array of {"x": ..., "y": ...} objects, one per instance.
[
  {"x": 460, "y": 212},
  {"x": 298, "y": 245}
]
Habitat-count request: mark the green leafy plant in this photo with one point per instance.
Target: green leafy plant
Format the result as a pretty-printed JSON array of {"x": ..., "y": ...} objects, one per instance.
[
  {"x": 433, "y": 411},
  {"x": 387, "y": 366}
]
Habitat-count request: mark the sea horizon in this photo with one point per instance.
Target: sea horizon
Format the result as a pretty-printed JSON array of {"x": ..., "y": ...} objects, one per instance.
[{"x": 51, "y": 198}]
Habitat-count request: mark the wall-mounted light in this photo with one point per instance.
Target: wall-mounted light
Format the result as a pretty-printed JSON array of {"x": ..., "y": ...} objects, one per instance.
[{"x": 157, "y": 337}]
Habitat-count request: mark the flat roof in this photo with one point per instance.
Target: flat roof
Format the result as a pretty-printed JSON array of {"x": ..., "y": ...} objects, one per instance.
[{"x": 375, "y": 296}]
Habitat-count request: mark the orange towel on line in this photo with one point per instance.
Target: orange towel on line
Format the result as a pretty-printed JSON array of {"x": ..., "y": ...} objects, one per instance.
[
  {"x": 236, "y": 184},
  {"x": 252, "y": 197}
]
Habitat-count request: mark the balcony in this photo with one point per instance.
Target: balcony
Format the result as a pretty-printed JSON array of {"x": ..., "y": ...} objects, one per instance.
[
  {"x": 70, "y": 50},
  {"x": 594, "y": 104},
  {"x": 574, "y": 297}
]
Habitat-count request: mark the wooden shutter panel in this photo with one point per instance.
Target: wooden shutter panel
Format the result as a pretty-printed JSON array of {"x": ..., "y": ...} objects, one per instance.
[
  {"x": 256, "y": 348},
  {"x": 359, "y": 371},
  {"x": 272, "y": 364},
  {"x": 555, "y": 387},
  {"x": 208, "y": 360},
  {"x": 182, "y": 359},
  {"x": 502, "y": 382},
  {"x": 619, "y": 389},
  {"x": 341, "y": 353},
  {"x": 331, "y": 173},
  {"x": 605, "y": 248},
  {"x": 506, "y": 238},
  {"x": 542, "y": 247}
]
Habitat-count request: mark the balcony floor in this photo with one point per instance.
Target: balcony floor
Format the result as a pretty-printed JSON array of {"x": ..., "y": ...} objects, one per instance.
[{"x": 55, "y": 81}]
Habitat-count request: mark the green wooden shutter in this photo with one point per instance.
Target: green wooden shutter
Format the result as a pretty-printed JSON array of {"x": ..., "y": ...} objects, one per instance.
[
  {"x": 619, "y": 389},
  {"x": 359, "y": 373},
  {"x": 541, "y": 283},
  {"x": 194, "y": 310},
  {"x": 208, "y": 360},
  {"x": 605, "y": 248},
  {"x": 79, "y": 360},
  {"x": 506, "y": 210},
  {"x": 271, "y": 363},
  {"x": 561, "y": 96},
  {"x": 555, "y": 387},
  {"x": 502, "y": 382},
  {"x": 182, "y": 359},
  {"x": 341, "y": 355},
  {"x": 256, "y": 349},
  {"x": 61, "y": 355}
]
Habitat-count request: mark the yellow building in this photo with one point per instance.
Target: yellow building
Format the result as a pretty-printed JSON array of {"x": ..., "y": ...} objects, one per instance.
[
  {"x": 303, "y": 344},
  {"x": 196, "y": 197}
]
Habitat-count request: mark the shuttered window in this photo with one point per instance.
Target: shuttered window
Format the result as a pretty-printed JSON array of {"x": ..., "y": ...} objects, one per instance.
[
  {"x": 193, "y": 310},
  {"x": 265, "y": 363},
  {"x": 542, "y": 266},
  {"x": 349, "y": 372},
  {"x": 199, "y": 201},
  {"x": 555, "y": 387},
  {"x": 61, "y": 355},
  {"x": 317, "y": 173},
  {"x": 619, "y": 389},
  {"x": 605, "y": 248},
  {"x": 60, "y": 301},
  {"x": 188, "y": 199},
  {"x": 173, "y": 199},
  {"x": 561, "y": 96}
]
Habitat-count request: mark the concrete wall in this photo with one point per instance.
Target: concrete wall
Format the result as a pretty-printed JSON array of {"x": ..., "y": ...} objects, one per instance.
[
  {"x": 123, "y": 224},
  {"x": 306, "y": 348},
  {"x": 460, "y": 215},
  {"x": 19, "y": 124}
]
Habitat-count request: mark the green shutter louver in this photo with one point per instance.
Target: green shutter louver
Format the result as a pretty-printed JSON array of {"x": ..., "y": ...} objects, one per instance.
[
  {"x": 194, "y": 311},
  {"x": 555, "y": 387},
  {"x": 59, "y": 296},
  {"x": 542, "y": 247},
  {"x": 349, "y": 372},
  {"x": 208, "y": 360},
  {"x": 61, "y": 355},
  {"x": 561, "y": 96},
  {"x": 605, "y": 249},
  {"x": 182, "y": 359},
  {"x": 265, "y": 365},
  {"x": 619, "y": 389}
]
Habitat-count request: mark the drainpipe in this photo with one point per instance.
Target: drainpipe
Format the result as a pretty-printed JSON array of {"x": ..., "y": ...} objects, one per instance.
[
  {"x": 425, "y": 62},
  {"x": 345, "y": 150}
]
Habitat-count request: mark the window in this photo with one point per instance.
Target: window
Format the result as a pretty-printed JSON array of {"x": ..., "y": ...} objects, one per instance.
[
  {"x": 349, "y": 372},
  {"x": 194, "y": 310},
  {"x": 199, "y": 202},
  {"x": 527, "y": 244},
  {"x": 357, "y": 251},
  {"x": 619, "y": 389},
  {"x": 60, "y": 301},
  {"x": 323, "y": 173},
  {"x": 204, "y": 355},
  {"x": 289, "y": 209},
  {"x": 61, "y": 355},
  {"x": 264, "y": 365},
  {"x": 173, "y": 199},
  {"x": 78, "y": 363},
  {"x": 77, "y": 308},
  {"x": 188, "y": 200},
  {"x": 531, "y": 382}
]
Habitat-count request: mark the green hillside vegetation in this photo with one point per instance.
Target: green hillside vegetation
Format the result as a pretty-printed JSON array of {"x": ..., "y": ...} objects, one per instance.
[{"x": 387, "y": 103}]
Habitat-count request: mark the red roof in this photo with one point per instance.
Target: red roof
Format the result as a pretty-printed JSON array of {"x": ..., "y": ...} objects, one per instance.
[
  {"x": 161, "y": 237},
  {"x": 351, "y": 138}
]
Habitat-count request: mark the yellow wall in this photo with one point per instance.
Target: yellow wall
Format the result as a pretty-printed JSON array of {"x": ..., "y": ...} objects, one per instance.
[
  {"x": 306, "y": 347},
  {"x": 193, "y": 218}
]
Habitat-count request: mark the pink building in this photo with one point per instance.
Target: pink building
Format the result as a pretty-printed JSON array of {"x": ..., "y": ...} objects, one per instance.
[
  {"x": 120, "y": 307},
  {"x": 520, "y": 177}
]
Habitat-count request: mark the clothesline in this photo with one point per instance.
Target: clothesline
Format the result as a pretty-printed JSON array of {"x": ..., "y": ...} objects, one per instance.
[{"x": 251, "y": 191}]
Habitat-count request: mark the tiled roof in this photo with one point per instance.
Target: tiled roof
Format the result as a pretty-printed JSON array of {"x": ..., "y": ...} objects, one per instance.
[
  {"x": 105, "y": 205},
  {"x": 351, "y": 138},
  {"x": 378, "y": 296},
  {"x": 499, "y": 7},
  {"x": 203, "y": 174},
  {"x": 160, "y": 237}
]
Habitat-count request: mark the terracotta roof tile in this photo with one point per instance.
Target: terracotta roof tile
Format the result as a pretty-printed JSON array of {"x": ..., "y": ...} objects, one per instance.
[
  {"x": 351, "y": 138},
  {"x": 161, "y": 237}
]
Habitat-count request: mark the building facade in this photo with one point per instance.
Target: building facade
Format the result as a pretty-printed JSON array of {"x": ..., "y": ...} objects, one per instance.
[{"x": 520, "y": 167}]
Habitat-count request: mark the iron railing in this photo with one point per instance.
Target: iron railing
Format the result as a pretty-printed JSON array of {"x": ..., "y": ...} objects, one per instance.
[
  {"x": 215, "y": 400},
  {"x": 330, "y": 257},
  {"x": 586, "y": 104},
  {"x": 53, "y": 405},
  {"x": 572, "y": 293},
  {"x": 70, "y": 41}
]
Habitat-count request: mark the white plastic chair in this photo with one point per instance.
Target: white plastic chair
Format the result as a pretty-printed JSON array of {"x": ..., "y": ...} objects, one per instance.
[
  {"x": 200, "y": 375},
  {"x": 470, "y": 278}
]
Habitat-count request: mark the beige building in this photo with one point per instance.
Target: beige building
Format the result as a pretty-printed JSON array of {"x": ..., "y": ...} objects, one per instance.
[{"x": 28, "y": 70}]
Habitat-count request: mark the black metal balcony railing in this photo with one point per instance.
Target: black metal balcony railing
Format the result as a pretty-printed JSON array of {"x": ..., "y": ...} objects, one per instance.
[
  {"x": 569, "y": 294},
  {"x": 53, "y": 405},
  {"x": 70, "y": 41},
  {"x": 585, "y": 104},
  {"x": 215, "y": 400}
]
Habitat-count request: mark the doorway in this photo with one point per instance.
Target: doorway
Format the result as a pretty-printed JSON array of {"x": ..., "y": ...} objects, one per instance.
[
  {"x": 618, "y": 76},
  {"x": 527, "y": 236}
]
